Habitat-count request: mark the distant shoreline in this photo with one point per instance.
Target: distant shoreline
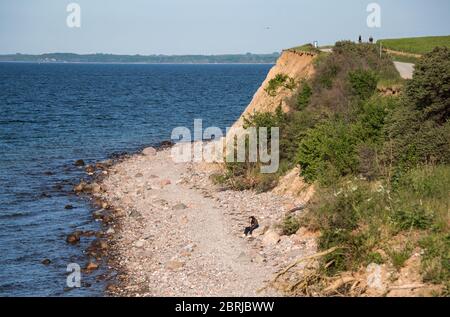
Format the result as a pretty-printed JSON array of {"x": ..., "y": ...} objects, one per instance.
[
  {"x": 130, "y": 63},
  {"x": 142, "y": 59}
]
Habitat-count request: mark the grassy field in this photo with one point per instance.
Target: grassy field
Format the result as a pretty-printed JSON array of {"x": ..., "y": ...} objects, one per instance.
[
  {"x": 416, "y": 45},
  {"x": 305, "y": 48},
  {"x": 403, "y": 58}
]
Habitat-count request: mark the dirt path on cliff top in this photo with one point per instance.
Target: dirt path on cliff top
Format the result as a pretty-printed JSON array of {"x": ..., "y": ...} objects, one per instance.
[{"x": 181, "y": 236}]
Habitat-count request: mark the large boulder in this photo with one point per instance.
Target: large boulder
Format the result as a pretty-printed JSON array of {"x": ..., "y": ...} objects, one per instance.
[
  {"x": 271, "y": 238},
  {"x": 79, "y": 163},
  {"x": 150, "y": 151}
]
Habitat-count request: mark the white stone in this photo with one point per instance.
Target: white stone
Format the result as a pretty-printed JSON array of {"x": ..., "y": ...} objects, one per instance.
[
  {"x": 270, "y": 238},
  {"x": 150, "y": 151}
]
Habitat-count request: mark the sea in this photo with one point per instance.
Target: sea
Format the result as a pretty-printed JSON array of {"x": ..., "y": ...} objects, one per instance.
[{"x": 52, "y": 114}]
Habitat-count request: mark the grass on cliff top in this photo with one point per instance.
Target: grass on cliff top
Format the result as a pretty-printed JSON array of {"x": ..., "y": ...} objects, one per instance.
[
  {"x": 416, "y": 45},
  {"x": 404, "y": 59},
  {"x": 306, "y": 48}
]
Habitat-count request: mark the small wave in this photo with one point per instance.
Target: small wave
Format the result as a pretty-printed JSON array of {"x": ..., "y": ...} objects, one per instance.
[
  {"x": 18, "y": 121},
  {"x": 15, "y": 215}
]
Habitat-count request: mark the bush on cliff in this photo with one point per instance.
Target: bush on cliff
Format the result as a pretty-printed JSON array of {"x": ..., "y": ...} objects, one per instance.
[
  {"x": 429, "y": 91},
  {"x": 328, "y": 151},
  {"x": 363, "y": 83},
  {"x": 280, "y": 80}
]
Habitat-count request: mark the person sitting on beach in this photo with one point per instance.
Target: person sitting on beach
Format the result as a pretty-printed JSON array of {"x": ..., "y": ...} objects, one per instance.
[{"x": 253, "y": 225}]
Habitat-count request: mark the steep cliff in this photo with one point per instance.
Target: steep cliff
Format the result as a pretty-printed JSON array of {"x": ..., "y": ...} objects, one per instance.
[{"x": 297, "y": 65}]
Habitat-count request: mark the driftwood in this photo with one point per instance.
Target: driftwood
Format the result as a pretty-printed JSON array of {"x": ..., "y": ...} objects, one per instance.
[
  {"x": 284, "y": 271},
  {"x": 409, "y": 286},
  {"x": 341, "y": 281},
  {"x": 296, "y": 209},
  {"x": 314, "y": 256}
]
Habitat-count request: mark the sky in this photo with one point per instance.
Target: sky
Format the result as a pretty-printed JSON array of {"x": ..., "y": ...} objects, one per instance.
[{"x": 178, "y": 27}]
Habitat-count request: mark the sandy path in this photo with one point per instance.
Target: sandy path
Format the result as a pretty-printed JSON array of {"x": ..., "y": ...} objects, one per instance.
[
  {"x": 405, "y": 69},
  {"x": 181, "y": 236}
]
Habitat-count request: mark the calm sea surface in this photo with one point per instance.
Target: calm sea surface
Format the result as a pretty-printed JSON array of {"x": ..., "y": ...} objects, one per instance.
[{"x": 54, "y": 114}]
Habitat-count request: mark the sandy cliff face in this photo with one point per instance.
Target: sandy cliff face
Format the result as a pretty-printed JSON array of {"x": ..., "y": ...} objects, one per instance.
[{"x": 297, "y": 65}]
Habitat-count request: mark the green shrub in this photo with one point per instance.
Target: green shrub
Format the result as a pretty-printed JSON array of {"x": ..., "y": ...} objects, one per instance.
[
  {"x": 363, "y": 83},
  {"x": 414, "y": 217},
  {"x": 429, "y": 90},
  {"x": 372, "y": 118},
  {"x": 399, "y": 257},
  {"x": 325, "y": 78},
  {"x": 304, "y": 97},
  {"x": 296, "y": 125},
  {"x": 436, "y": 258},
  {"x": 329, "y": 147},
  {"x": 411, "y": 139},
  {"x": 290, "y": 225},
  {"x": 280, "y": 80},
  {"x": 421, "y": 198},
  {"x": 332, "y": 93},
  {"x": 374, "y": 257},
  {"x": 265, "y": 119}
]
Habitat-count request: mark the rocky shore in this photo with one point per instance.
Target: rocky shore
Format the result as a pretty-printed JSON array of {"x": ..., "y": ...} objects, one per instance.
[{"x": 169, "y": 231}]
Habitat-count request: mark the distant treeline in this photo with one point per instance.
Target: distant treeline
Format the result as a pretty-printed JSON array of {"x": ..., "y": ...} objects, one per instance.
[{"x": 111, "y": 58}]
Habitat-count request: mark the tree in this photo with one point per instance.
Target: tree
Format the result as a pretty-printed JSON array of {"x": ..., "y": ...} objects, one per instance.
[{"x": 429, "y": 90}]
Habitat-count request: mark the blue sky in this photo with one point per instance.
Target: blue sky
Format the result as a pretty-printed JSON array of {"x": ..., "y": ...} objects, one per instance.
[{"x": 207, "y": 26}]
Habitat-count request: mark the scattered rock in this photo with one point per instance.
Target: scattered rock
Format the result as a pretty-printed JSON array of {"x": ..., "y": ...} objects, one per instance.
[
  {"x": 90, "y": 169},
  {"x": 98, "y": 214},
  {"x": 376, "y": 279},
  {"x": 91, "y": 266},
  {"x": 103, "y": 165},
  {"x": 184, "y": 220},
  {"x": 174, "y": 265},
  {"x": 97, "y": 248},
  {"x": 80, "y": 187},
  {"x": 111, "y": 288},
  {"x": 161, "y": 202},
  {"x": 101, "y": 244},
  {"x": 58, "y": 187},
  {"x": 258, "y": 258},
  {"x": 270, "y": 238},
  {"x": 79, "y": 163},
  {"x": 84, "y": 187},
  {"x": 110, "y": 231},
  {"x": 135, "y": 214},
  {"x": 139, "y": 243},
  {"x": 165, "y": 144},
  {"x": 74, "y": 237},
  {"x": 150, "y": 151},
  {"x": 94, "y": 188},
  {"x": 165, "y": 182},
  {"x": 46, "y": 261},
  {"x": 138, "y": 175},
  {"x": 189, "y": 248},
  {"x": 179, "y": 206},
  {"x": 89, "y": 233},
  {"x": 243, "y": 258}
]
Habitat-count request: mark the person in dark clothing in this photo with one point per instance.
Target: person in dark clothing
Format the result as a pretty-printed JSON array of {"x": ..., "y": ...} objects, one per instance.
[
  {"x": 253, "y": 225},
  {"x": 360, "y": 39}
]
